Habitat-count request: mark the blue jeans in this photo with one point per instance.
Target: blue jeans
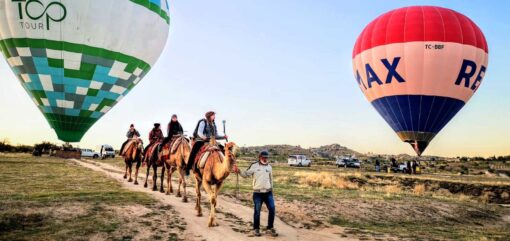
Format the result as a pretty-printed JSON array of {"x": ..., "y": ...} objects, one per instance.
[{"x": 258, "y": 199}]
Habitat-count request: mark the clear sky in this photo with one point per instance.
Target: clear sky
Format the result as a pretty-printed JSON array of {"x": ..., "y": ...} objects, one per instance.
[{"x": 280, "y": 72}]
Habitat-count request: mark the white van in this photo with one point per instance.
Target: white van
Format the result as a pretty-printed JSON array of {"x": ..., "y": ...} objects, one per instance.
[
  {"x": 89, "y": 153},
  {"x": 299, "y": 161},
  {"x": 106, "y": 151}
]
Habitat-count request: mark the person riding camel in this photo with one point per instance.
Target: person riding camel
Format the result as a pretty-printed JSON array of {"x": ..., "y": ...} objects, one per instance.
[
  {"x": 205, "y": 129},
  {"x": 131, "y": 133},
  {"x": 174, "y": 129},
  {"x": 155, "y": 136}
]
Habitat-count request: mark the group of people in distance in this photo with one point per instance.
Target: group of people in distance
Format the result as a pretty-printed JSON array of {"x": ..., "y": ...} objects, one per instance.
[{"x": 261, "y": 171}]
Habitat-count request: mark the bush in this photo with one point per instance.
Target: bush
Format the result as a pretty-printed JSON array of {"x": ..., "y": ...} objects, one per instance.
[
  {"x": 419, "y": 189},
  {"x": 6, "y": 147},
  {"x": 43, "y": 147}
]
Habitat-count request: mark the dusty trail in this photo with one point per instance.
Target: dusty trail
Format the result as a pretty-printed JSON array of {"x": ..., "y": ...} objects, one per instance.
[{"x": 233, "y": 218}]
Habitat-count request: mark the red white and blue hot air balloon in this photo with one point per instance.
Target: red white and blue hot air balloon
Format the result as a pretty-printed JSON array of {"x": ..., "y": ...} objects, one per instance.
[{"x": 419, "y": 66}]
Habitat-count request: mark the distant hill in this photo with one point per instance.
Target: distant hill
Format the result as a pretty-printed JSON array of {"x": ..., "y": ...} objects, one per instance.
[{"x": 281, "y": 152}]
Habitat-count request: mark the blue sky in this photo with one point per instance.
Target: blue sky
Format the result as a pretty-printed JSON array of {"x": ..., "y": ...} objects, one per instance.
[{"x": 280, "y": 72}]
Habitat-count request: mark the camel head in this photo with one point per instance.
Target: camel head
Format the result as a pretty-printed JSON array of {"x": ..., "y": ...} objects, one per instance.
[{"x": 230, "y": 152}]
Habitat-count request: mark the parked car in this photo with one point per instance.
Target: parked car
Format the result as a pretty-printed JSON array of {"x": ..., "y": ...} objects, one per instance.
[
  {"x": 348, "y": 162},
  {"x": 107, "y": 151},
  {"x": 400, "y": 168},
  {"x": 89, "y": 153},
  {"x": 299, "y": 161}
]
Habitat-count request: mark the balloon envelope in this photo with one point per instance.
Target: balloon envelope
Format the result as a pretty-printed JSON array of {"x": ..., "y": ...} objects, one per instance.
[
  {"x": 77, "y": 59},
  {"x": 418, "y": 66}
]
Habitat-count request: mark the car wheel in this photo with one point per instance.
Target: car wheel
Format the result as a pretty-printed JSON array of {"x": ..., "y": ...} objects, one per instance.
[
  {"x": 309, "y": 164},
  {"x": 95, "y": 157},
  {"x": 300, "y": 165}
]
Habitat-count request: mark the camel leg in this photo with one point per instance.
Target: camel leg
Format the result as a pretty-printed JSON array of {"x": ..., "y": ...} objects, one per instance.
[
  {"x": 125, "y": 173},
  {"x": 136, "y": 174},
  {"x": 199, "y": 196},
  {"x": 168, "y": 179},
  {"x": 130, "y": 171},
  {"x": 161, "y": 189},
  {"x": 183, "y": 180},
  {"x": 212, "y": 199},
  {"x": 178, "y": 185},
  {"x": 147, "y": 176},
  {"x": 179, "y": 188},
  {"x": 154, "y": 177},
  {"x": 172, "y": 173}
]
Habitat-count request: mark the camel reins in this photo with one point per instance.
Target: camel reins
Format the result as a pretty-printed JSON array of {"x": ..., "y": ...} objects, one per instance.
[{"x": 237, "y": 174}]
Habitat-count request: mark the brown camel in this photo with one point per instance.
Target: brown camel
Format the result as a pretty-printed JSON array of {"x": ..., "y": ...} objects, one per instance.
[
  {"x": 151, "y": 159},
  {"x": 216, "y": 169},
  {"x": 133, "y": 154},
  {"x": 175, "y": 155}
]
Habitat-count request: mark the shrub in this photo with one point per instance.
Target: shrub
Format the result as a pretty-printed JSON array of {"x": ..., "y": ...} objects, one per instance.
[
  {"x": 419, "y": 189},
  {"x": 325, "y": 180}
]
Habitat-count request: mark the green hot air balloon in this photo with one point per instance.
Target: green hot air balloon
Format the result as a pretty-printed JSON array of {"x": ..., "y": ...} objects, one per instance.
[{"x": 78, "y": 59}]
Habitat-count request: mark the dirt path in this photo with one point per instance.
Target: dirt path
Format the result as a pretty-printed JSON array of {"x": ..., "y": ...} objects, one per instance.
[{"x": 234, "y": 218}]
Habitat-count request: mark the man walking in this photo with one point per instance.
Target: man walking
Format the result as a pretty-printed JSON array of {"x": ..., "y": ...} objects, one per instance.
[{"x": 262, "y": 174}]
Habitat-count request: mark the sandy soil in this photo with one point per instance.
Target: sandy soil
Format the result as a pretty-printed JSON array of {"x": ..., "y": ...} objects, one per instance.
[{"x": 233, "y": 217}]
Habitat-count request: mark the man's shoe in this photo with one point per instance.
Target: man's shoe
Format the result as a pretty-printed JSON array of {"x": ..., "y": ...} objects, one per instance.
[
  {"x": 256, "y": 232},
  {"x": 272, "y": 232}
]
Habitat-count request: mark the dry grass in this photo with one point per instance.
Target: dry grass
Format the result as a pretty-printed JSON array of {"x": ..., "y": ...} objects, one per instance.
[
  {"x": 392, "y": 189},
  {"x": 419, "y": 189},
  {"x": 45, "y": 198},
  {"x": 486, "y": 197},
  {"x": 505, "y": 195},
  {"x": 464, "y": 198},
  {"x": 325, "y": 180}
]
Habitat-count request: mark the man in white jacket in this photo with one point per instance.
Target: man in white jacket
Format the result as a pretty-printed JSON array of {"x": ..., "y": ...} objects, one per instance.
[{"x": 262, "y": 174}]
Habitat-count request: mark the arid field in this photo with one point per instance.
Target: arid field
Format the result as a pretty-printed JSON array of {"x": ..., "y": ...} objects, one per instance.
[{"x": 44, "y": 198}]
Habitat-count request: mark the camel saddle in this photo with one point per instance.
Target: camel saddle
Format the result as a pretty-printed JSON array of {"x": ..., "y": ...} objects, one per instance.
[
  {"x": 175, "y": 144},
  {"x": 165, "y": 151},
  {"x": 127, "y": 146},
  {"x": 171, "y": 147},
  {"x": 204, "y": 153},
  {"x": 150, "y": 152}
]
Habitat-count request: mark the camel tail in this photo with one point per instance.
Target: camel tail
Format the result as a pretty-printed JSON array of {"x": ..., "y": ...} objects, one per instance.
[{"x": 184, "y": 153}]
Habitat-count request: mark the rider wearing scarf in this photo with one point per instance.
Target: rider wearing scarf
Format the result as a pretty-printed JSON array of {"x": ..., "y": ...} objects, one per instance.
[{"x": 174, "y": 128}]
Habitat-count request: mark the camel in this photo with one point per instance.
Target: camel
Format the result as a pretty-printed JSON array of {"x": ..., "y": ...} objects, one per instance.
[
  {"x": 216, "y": 169},
  {"x": 175, "y": 156},
  {"x": 151, "y": 159},
  {"x": 132, "y": 154}
]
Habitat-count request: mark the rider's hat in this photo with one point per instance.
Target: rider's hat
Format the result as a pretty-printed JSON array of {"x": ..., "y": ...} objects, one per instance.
[
  {"x": 156, "y": 124},
  {"x": 264, "y": 154}
]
